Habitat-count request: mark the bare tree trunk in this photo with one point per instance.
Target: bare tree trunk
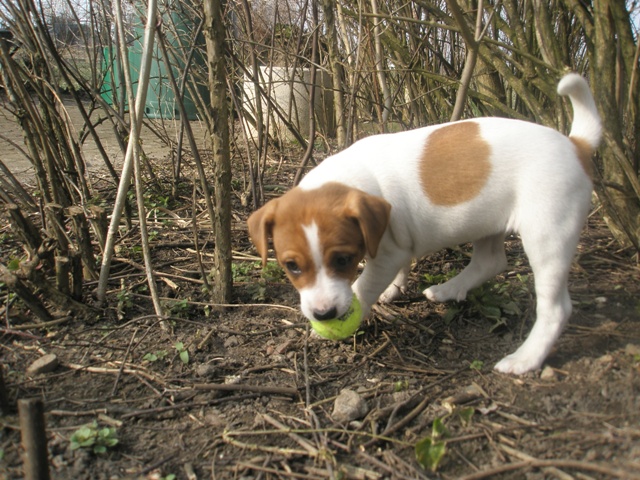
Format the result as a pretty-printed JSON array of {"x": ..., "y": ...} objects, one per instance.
[
  {"x": 328, "y": 6},
  {"x": 619, "y": 187},
  {"x": 215, "y": 39},
  {"x": 472, "y": 41},
  {"x": 380, "y": 65}
]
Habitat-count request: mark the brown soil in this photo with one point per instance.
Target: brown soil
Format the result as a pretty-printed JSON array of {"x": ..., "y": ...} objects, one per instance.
[{"x": 255, "y": 397}]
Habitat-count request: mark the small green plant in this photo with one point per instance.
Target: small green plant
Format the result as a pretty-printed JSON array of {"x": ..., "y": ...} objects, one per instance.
[
  {"x": 153, "y": 201},
  {"x": 90, "y": 437},
  {"x": 272, "y": 272},
  {"x": 400, "y": 386},
  {"x": 241, "y": 271},
  {"x": 14, "y": 264},
  {"x": 179, "y": 308},
  {"x": 438, "y": 278},
  {"x": 154, "y": 356},
  {"x": 495, "y": 302},
  {"x": 431, "y": 450},
  {"x": 125, "y": 299},
  {"x": 476, "y": 365},
  {"x": 183, "y": 353},
  {"x": 466, "y": 415}
]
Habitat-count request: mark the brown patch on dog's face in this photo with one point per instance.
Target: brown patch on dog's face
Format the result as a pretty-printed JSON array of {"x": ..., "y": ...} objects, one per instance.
[
  {"x": 455, "y": 164},
  {"x": 585, "y": 152},
  {"x": 348, "y": 222}
]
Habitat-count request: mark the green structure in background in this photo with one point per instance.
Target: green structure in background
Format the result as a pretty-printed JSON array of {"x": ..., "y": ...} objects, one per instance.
[{"x": 186, "y": 48}]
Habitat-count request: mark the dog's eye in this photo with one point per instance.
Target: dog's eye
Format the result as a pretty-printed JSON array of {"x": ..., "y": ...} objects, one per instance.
[
  {"x": 342, "y": 261},
  {"x": 292, "y": 267}
]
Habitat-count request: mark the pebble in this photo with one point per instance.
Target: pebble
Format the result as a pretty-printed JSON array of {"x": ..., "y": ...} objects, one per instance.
[
  {"x": 231, "y": 342},
  {"x": 607, "y": 358},
  {"x": 206, "y": 370},
  {"x": 548, "y": 373},
  {"x": 600, "y": 301},
  {"x": 402, "y": 396},
  {"x": 349, "y": 406},
  {"x": 45, "y": 364},
  {"x": 632, "y": 349}
]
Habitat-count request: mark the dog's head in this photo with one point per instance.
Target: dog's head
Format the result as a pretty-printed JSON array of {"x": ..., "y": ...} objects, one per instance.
[{"x": 319, "y": 237}]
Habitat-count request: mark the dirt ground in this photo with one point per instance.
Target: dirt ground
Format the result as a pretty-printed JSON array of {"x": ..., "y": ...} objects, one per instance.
[{"x": 253, "y": 395}]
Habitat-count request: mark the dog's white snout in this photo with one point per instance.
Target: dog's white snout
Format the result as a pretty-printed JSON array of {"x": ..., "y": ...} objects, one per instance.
[{"x": 318, "y": 303}]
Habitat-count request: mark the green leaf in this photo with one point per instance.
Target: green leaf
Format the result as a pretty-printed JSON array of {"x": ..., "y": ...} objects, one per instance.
[
  {"x": 150, "y": 357},
  {"x": 511, "y": 308},
  {"x": 450, "y": 314},
  {"x": 88, "y": 442},
  {"x": 100, "y": 449},
  {"x": 107, "y": 432},
  {"x": 499, "y": 322},
  {"x": 179, "y": 346},
  {"x": 84, "y": 432},
  {"x": 492, "y": 312},
  {"x": 438, "y": 429},
  {"x": 110, "y": 442},
  {"x": 84, "y": 436},
  {"x": 429, "y": 453},
  {"x": 184, "y": 356},
  {"x": 476, "y": 365},
  {"x": 466, "y": 414},
  {"x": 14, "y": 265}
]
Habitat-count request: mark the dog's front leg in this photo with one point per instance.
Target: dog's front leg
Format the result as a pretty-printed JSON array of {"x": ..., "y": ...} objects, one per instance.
[
  {"x": 397, "y": 287},
  {"x": 377, "y": 275}
]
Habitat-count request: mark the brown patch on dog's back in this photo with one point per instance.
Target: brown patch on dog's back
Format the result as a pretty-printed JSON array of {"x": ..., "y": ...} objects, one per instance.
[
  {"x": 455, "y": 164},
  {"x": 585, "y": 152}
]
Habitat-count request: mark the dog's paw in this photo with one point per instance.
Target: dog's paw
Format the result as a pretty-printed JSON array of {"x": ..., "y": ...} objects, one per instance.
[
  {"x": 392, "y": 293},
  {"x": 444, "y": 293},
  {"x": 518, "y": 364}
]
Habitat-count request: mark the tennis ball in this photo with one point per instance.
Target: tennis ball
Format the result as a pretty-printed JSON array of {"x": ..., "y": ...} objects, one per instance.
[{"x": 341, "y": 327}]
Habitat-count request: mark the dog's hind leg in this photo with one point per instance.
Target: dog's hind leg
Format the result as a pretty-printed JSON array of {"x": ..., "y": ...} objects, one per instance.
[
  {"x": 550, "y": 255},
  {"x": 487, "y": 261}
]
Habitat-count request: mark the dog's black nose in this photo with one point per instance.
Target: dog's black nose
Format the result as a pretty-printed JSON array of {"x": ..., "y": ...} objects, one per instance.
[{"x": 325, "y": 314}]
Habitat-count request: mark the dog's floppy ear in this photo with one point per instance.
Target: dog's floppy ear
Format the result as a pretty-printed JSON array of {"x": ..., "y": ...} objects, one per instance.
[
  {"x": 372, "y": 214},
  {"x": 260, "y": 225}
]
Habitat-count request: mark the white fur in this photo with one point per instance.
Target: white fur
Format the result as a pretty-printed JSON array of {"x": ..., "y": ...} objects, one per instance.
[
  {"x": 536, "y": 188},
  {"x": 328, "y": 291}
]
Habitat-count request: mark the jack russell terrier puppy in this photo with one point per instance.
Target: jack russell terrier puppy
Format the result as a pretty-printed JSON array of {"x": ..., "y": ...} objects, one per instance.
[{"x": 395, "y": 197}]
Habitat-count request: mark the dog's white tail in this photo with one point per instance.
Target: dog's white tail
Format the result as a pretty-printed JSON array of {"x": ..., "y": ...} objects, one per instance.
[{"x": 586, "y": 121}]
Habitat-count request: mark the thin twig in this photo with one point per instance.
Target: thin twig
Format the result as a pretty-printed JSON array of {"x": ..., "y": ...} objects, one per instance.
[
  {"x": 234, "y": 387},
  {"x": 124, "y": 359},
  {"x": 559, "y": 463}
]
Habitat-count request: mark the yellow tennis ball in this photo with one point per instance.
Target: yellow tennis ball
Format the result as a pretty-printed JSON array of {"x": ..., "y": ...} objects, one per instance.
[{"x": 341, "y": 327}]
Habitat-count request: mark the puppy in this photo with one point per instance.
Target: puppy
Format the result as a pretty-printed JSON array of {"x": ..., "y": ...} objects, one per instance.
[{"x": 395, "y": 197}]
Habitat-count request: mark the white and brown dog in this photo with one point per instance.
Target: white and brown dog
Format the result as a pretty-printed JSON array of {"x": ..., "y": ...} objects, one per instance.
[{"x": 392, "y": 198}]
